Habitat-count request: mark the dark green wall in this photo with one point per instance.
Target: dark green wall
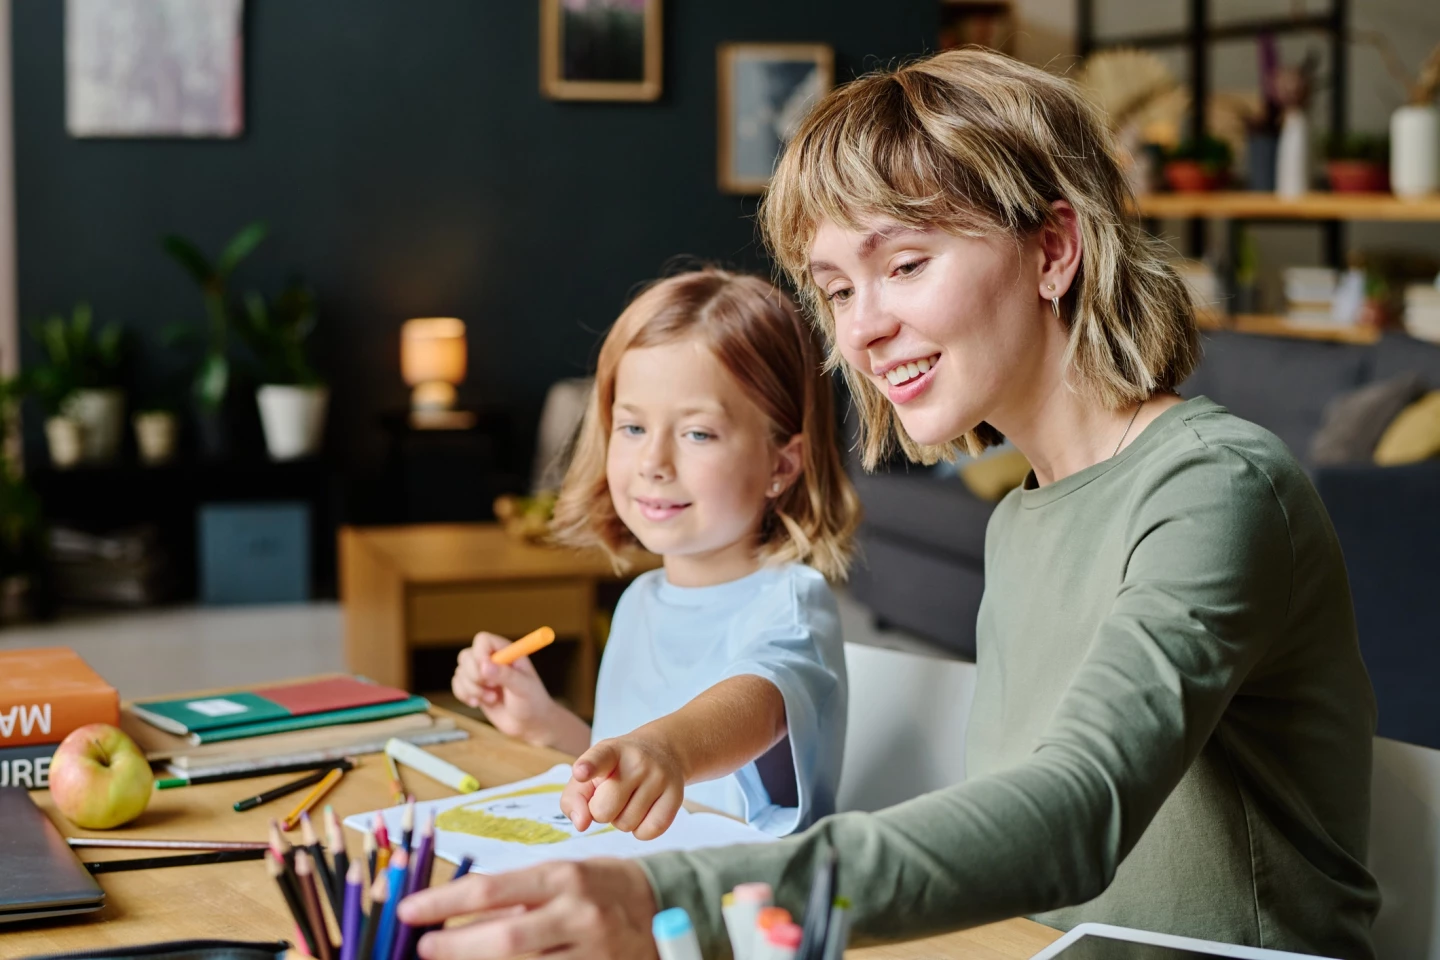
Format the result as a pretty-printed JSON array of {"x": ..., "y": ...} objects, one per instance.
[{"x": 409, "y": 166}]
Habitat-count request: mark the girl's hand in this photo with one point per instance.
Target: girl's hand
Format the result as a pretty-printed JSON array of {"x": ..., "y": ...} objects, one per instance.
[
  {"x": 634, "y": 783},
  {"x": 513, "y": 698},
  {"x": 592, "y": 910}
]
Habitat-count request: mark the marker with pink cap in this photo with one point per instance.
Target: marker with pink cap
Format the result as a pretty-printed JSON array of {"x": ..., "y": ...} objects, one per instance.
[
  {"x": 748, "y": 900},
  {"x": 781, "y": 942}
]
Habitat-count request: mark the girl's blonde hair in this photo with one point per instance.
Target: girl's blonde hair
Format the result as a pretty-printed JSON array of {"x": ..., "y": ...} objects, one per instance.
[
  {"x": 758, "y": 336},
  {"x": 978, "y": 144}
]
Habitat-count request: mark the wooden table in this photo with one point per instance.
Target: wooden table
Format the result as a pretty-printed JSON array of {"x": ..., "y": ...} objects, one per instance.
[
  {"x": 239, "y": 901},
  {"x": 440, "y": 584}
]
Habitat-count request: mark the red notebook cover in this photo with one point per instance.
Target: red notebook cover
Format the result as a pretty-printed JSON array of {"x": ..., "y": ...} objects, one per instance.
[{"x": 323, "y": 696}]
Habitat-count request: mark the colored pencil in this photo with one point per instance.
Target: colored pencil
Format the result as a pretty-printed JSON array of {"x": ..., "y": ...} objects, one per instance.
[
  {"x": 183, "y": 860},
  {"x": 310, "y": 897},
  {"x": 419, "y": 879},
  {"x": 379, "y": 897},
  {"x": 276, "y": 868},
  {"x": 339, "y": 856},
  {"x": 397, "y": 785},
  {"x": 282, "y": 847},
  {"x": 116, "y": 843},
  {"x": 382, "y": 834},
  {"x": 313, "y": 797},
  {"x": 369, "y": 848},
  {"x": 407, "y": 825},
  {"x": 186, "y": 780},
  {"x": 285, "y": 789},
  {"x": 351, "y": 913},
  {"x": 395, "y": 883},
  {"x": 323, "y": 875},
  {"x": 526, "y": 645}
]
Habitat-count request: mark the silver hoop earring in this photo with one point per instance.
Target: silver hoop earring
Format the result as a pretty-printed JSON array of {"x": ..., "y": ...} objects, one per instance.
[{"x": 1055, "y": 305}]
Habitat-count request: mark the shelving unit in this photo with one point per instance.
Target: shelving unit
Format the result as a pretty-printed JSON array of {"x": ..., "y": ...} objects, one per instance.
[
  {"x": 1266, "y": 325},
  {"x": 1245, "y": 205}
]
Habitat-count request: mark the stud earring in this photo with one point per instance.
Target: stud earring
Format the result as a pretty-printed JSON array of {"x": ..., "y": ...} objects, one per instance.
[
  {"x": 775, "y": 487},
  {"x": 1049, "y": 286}
]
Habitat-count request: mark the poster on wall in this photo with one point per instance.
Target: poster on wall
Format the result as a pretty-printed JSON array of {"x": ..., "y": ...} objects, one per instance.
[
  {"x": 765, "y": 91},
  {"x": 600, "y": 49},
  {"x": 154, "y": 68}
]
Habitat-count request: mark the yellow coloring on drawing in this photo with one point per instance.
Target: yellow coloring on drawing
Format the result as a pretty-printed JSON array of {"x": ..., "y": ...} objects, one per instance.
[{"x": 477, "y": 821}]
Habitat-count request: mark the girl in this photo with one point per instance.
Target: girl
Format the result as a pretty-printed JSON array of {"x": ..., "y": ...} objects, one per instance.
[
  {"x": 1172, "y": 724},
  {"x": 709, "y": 440}
]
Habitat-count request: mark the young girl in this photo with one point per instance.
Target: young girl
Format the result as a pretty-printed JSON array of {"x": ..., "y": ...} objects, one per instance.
[{"x": 709, "y": 440}]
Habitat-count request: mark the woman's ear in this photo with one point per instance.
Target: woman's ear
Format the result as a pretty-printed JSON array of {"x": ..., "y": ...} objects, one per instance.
[
  {"x": 789, "y": 461},
  {"x": 1061, "y": 250}
]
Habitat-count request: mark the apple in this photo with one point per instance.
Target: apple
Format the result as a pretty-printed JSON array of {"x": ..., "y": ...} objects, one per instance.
[{"x": 99, "y": 778}]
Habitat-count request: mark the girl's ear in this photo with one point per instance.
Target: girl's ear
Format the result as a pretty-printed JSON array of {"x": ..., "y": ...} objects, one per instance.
[{"x": 789, "y": 461}]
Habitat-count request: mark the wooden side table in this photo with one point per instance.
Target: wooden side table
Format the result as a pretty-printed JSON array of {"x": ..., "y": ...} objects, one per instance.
[{"x": 440, "y": 584}]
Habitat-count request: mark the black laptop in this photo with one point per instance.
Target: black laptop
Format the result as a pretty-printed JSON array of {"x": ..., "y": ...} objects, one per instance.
[{"x": 40, "y": 876}]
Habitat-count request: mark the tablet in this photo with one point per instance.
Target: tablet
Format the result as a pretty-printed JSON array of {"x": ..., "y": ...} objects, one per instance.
[
  {"x": 42, "y": 877},
  {"x": 1099, "y": 941}
]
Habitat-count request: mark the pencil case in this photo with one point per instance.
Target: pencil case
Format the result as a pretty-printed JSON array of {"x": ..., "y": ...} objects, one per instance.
[{"x": 182, "y": 950}]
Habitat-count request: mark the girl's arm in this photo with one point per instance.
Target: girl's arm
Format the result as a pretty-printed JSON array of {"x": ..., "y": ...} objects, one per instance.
[{"x": 637, "y": 782}]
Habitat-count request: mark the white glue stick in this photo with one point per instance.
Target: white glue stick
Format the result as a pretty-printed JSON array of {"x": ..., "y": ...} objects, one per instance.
[{"x": 432, "y": 766}]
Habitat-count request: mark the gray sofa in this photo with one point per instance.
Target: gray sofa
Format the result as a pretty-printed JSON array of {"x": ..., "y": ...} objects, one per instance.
[{"x": 923, "y": 536}]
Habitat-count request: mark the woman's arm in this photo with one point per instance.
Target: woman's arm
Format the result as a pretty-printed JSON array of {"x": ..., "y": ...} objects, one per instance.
[{"x": 637, "y": 782}]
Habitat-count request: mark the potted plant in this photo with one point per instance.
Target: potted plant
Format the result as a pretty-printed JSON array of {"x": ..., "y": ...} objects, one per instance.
[
  {"x": 211, "y": 385},
  {"x": 291, "y": 397},
  {"x": 1358, "y": 163},
  {"x": 1198, "y": 165},
  {"x": 157, "y": 431},
  {"x": 21, "y": 526},
  {"x": 80, "y": 382}
]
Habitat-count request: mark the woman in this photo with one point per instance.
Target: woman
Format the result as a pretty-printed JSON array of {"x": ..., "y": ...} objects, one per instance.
[{"x": 1172, "y": 724}]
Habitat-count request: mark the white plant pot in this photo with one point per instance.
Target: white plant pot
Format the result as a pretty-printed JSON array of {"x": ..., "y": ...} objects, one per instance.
[
  {"x": 293, "y": 418},
  {"x": 65, "y": 437},
  {"x": 1415, "y": 151},
  {"x": 101, "y": 414},
  {"x": 155, "y": 435},
  {"x": 1292, "y": 155}
]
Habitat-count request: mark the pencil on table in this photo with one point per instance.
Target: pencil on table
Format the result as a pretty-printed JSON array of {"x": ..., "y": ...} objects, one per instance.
[
  {"x": 526, "y": 645},
  {"x": 310, "y": 897},
  {"x": 285, "y": 789},
  {"x": 276, "y": 868},
  {"x": 339, "y": 856},
  {"x": 397, "y": 785},
  {"x": 313, "y": 797}
]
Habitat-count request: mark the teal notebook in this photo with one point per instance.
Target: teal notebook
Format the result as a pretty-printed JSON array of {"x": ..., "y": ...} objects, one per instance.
[
  {"x": 328, "y": 697},
  {"x": 378, "y": 711}
]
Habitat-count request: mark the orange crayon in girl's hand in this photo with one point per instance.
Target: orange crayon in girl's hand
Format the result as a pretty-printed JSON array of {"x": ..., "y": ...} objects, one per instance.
[{"x": 526, "y": 645}]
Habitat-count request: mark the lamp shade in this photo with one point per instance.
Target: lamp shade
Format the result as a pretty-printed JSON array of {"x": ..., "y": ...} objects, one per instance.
[{"x": 432, "y": 349}]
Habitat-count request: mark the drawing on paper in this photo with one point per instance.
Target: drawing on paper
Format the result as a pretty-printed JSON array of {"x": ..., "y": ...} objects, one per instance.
[{"x": 531, "y": 816}]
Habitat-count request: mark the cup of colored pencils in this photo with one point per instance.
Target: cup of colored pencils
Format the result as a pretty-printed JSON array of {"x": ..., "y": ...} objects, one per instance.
[{"x": 344, "y": 909}]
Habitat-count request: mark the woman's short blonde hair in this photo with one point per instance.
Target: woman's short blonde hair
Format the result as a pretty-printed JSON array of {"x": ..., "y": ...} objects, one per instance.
[
  {"x": 757, "y": 334},
  {"x": 978, "y": 144}
]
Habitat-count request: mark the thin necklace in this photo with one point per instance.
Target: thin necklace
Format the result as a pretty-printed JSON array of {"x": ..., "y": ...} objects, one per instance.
[{"x": 1127, "y": 428}]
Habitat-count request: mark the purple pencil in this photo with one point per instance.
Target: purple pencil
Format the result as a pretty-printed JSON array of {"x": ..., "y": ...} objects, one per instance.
[
  {"x": 352, "y": 916},
  {"x": 406, "y": 936}
]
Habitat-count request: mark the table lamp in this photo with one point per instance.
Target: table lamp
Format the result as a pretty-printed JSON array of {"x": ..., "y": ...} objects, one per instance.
[{"x": 432, "y": 361}]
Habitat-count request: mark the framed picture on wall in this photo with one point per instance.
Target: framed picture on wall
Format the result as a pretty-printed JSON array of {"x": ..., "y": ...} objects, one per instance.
[
  {"x": 765, "y": 91},
  {"x": 154, "y": 68},
  {"x": 600, "y": 49}
]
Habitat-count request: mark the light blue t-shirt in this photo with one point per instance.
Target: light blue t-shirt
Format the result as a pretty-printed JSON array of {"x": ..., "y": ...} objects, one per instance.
[{"x": 668, "y": 644}]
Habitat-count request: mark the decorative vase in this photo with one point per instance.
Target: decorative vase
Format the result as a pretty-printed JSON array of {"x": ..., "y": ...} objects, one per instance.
[
  {"x": 1260, "y": 160},
  {"x": 101, "y": 415},
  {"x": 66, "y": 439},
  {"x": 1292, "y": 155},
  {"x": 293, "y": 419},
  {"x": 155, "y": 435},
  {"x": 1415, "y": 151}
]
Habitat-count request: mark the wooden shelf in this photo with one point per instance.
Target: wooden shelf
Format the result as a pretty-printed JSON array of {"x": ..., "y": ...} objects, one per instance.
[
  {"x": 1312, "y": 206},
  {"x": 1279, "y": 326}
]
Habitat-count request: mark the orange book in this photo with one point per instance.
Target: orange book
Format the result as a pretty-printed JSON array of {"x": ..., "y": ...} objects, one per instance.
[{"x": 47, "y": 693}]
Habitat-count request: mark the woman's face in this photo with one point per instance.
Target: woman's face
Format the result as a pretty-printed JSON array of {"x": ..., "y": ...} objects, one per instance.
[{"x": 945, "y": 326}]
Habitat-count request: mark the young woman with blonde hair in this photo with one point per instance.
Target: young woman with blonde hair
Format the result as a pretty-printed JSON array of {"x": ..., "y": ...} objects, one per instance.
[{"x": 1172, "y": 725}]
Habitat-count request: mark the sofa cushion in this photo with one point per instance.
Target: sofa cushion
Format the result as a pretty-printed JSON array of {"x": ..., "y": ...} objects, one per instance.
[
  {"x": 936, "y": 511},
  {"x": 1355, "y": 421},
  {"x": 1282, "y": 384},
  {"x": 1396, "y": 354},
  {"x": 1415, "y": 434}
]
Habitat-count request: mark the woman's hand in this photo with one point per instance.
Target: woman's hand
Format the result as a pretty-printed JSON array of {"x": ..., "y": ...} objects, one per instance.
[
  {"x": 634, "y": 783},
  {"x": 595, "y": 910},
  {"x": 513, "y": 698}
]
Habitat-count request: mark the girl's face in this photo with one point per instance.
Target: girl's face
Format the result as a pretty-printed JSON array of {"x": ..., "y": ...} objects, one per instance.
[
  {"x": 945, "y": 326},
  {"x": 690, "y": 463}
]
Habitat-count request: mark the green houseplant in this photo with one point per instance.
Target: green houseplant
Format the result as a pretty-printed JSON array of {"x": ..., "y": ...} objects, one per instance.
[
  {"x": 1198, "y": 165},
  {"x": 211, "y": 384},
  {"x": 22, "y": 532},
  {"x": 1358, "y": 163},
  {"x": 291, "y": 397},
  {"x": 79, "y": 382}
]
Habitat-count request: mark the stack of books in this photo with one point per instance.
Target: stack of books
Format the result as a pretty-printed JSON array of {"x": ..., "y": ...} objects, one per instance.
[
  {"x": 307, "y": 721},
  {"x": 45, "y": 695}
]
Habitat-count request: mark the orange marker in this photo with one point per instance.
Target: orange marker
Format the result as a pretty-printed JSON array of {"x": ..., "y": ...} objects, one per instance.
[
  {"x": 321, "y": 788},
  {"x": 526, "y": 645}
]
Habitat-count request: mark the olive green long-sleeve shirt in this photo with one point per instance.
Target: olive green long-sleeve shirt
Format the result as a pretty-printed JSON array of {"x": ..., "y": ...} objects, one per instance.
[{"x": 1171, "y": 728}]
